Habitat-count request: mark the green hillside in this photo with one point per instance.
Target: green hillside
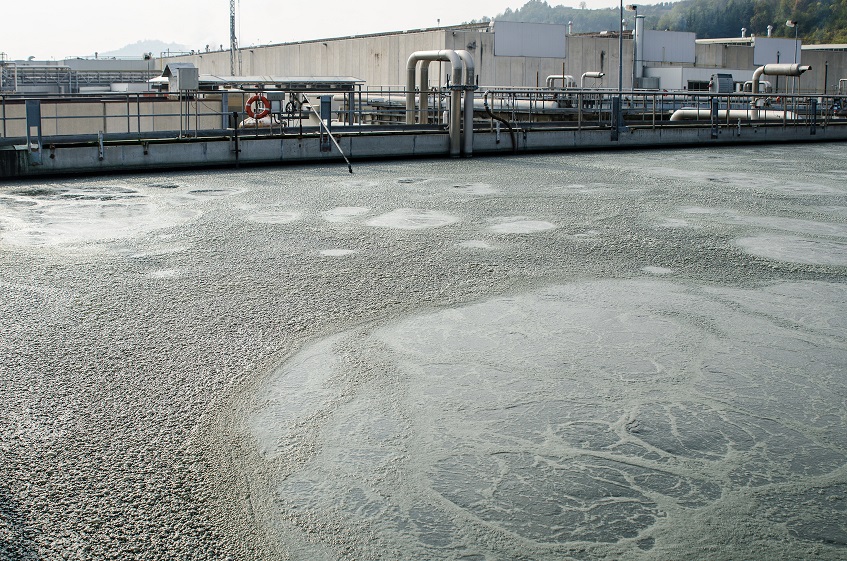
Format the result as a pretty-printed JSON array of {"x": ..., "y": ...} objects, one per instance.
[{"x": 824, "y": 21}]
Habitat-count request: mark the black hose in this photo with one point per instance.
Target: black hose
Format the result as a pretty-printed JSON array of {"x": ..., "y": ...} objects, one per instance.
[{"x": 502, "y": 120}]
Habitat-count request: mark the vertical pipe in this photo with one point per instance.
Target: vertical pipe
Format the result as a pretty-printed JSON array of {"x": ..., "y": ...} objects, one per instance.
[
  {"x": 455, "y": 94},
  {"x": 410, "y": 88},
  {"x": 468, "y": 62},
  {"x": 456, "y": 112},
  {"x": 424, "y": 109},
  {"x": 639, "y": 46}
]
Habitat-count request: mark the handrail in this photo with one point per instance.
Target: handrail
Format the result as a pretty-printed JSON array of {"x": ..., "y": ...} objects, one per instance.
[{"x": 147, "y": 114}]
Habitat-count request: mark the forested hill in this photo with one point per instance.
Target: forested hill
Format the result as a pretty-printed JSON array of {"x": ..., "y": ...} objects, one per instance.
[{"x": 823, "y": 21}]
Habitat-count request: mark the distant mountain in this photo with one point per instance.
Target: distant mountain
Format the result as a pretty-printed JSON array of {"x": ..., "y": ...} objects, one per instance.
[{"x": 147, "y": 46}]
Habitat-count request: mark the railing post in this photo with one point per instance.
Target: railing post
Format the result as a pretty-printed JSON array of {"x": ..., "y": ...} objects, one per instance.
[
  {"x": 580, "y": 100},
  {"x": 616, "y": 118},
  {"x": 33, "y": 130},
  {"x": 235, "y": 120},
  {"x": 714, "y": 117},
  {"x": 814, "y": 109},
  {"x": 225, "y": 117}
]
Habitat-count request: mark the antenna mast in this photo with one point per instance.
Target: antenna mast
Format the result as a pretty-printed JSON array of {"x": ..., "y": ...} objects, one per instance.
[{"x": 233, "y": 40}]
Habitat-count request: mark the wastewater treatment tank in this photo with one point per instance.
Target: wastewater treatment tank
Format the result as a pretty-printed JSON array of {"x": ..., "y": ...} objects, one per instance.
[{"x": 628, "y": 355}]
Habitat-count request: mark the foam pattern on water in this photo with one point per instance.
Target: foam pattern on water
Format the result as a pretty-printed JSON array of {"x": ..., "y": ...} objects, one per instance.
[
  {"x": 608, "y": 418},
  {"x": 74, "y": 217},
  {"x": 412, "y": 219}
]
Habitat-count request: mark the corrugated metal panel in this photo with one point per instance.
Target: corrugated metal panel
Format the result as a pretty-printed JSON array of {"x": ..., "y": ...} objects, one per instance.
[
  {"x": 668, "y": 46},
  {"x": 512, "y": 38}
]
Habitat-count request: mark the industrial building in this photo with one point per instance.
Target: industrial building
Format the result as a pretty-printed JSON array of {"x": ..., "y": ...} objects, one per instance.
[
  {"x": 513, "y": 54},
  {"x": 77, "y": 75},
  {"x": 506, "y": 54}
]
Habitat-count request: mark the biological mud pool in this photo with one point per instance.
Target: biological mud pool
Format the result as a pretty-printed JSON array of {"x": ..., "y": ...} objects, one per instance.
[{"x": 630, "y": 355}]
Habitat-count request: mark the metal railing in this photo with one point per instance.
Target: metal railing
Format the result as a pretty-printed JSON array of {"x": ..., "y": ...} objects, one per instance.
[{"x": 150, "y": 114}]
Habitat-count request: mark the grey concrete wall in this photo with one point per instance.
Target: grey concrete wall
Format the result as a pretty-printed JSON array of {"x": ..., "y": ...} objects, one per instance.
[
  {"x": 600, "y": 54},
  {"x": 293, "y": 149},
  {"x": 381, "y": 60},
  {"x": 813, "y": 80}
]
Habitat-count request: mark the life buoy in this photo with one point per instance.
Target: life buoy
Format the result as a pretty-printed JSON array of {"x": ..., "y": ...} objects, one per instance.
[{"x": 256, "y": 113}]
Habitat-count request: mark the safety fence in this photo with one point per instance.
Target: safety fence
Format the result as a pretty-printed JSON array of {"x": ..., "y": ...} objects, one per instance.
[{"x": 143, "y": 115}]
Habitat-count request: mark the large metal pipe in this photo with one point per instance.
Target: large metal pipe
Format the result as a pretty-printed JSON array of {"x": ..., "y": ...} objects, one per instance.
[
  {"x": 589, "y": 75},
  {"x": 639, "y": 47},
  {"x": 455, "y": 96},
  {"x": 691, "y": 114},
  {"x": 424, "y": 107},
  {"x": 775, "y": 70},
  {"x": 470, "y": 86},
  {"x": 568, "y": 81}
]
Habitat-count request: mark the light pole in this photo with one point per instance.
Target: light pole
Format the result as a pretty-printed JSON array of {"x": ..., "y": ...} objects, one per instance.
[
  {"x": 794, "y": 24},
  {"x": 634, "y": 8},
  {"x": 148, "y": 57}
]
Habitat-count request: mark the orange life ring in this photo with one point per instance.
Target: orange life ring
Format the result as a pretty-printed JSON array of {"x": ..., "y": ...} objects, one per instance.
[{"x": 258, "y": 113}]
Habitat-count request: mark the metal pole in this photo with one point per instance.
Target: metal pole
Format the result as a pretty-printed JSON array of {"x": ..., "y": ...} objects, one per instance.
[
  {"x": 796, "y": 31},
  {"x": 825, "y": 76},
  {"x": 620, "y": 54},
  {"x": 619, "y": 114},
  {"x": 233, "y": 40},
  {"x": 634, "y": 46},
  {"x": 634, "y": 8},
  {"x": 794, "y": 81}
]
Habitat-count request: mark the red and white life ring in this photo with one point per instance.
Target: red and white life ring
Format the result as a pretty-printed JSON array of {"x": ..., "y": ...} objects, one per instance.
[{"x": 258, "y": 107}]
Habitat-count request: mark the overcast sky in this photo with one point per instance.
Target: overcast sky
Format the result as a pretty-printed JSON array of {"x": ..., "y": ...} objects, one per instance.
[{"x": 55, "y": 29}]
